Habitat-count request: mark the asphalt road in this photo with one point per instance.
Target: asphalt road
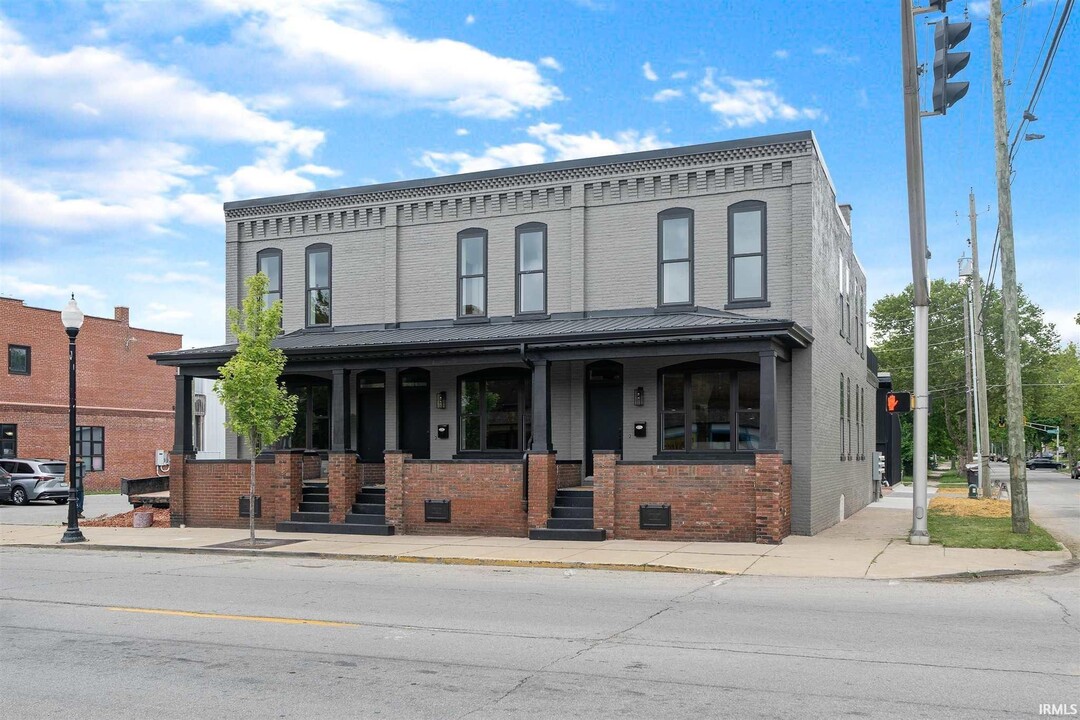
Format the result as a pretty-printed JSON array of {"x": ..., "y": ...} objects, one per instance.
[
  {"x": 1053, "y": 500},
  {"x": 49, "y": 513},
  {"x": 428, "y": 641}
]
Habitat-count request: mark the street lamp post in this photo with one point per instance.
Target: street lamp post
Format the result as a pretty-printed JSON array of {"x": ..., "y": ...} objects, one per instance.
[{"x": 72, "y": 317}]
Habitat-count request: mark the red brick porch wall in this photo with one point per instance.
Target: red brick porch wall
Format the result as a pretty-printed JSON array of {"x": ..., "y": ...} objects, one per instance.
[
  {"x": 568, "y": 473},
  {"x": 205, "y": 493},
  {"x": 372, "y": 473},
  {"x": 729, "y": 503},
  {"x": 485, "y": 497}
]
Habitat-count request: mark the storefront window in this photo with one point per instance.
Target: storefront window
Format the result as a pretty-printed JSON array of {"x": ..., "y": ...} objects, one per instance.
[
  {"x": 698, "y": 403},
  {"x": 494, "y": 411}
]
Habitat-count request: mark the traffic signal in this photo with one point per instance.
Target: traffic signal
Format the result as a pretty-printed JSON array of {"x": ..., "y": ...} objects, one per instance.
[
  {"x": 898, "y": 402},
  {"x": 946, "y": 64}
]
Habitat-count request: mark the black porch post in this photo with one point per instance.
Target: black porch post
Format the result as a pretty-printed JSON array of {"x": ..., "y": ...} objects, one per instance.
[
  {"x": 541, "y": 440},
  {"x": 182, "y": 441},
  {"x": 340, "y": 410},
  {"x": 767, "y": 360}
]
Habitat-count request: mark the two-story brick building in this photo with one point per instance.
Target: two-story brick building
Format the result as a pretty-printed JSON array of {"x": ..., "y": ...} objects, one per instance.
[
  {"x": 681, "y": 330},
  {"x": 125, "y": 402}
]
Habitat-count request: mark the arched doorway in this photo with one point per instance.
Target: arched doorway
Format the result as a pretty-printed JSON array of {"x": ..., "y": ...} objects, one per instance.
[{"x": 603, "y": 409}]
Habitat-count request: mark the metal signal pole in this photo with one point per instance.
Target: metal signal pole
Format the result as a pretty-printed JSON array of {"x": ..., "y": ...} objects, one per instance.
[{"x": 1014, "y": 397}]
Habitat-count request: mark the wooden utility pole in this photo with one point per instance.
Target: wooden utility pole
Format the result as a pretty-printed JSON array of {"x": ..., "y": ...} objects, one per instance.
[
  {"x": 1014, "y": 398},
  {"x": 969, "y": 423},
  {"x": 980, "y": 360}
]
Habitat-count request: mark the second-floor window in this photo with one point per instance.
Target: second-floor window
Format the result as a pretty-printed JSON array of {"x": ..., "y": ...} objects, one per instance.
[
  {"x": 675, "y": 228},
  {"x": 19, "y": 359},
  {"x": 747, "y": 271},
  {"x": 269, "y": 263},
  {"x": 532, "y": 268},
  {"x": 318, "y": 285},
  {"x": 472, "y": 273}
]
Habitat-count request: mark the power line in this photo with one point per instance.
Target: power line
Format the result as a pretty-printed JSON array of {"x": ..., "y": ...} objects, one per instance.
[{"x": 1048, "y": 63}]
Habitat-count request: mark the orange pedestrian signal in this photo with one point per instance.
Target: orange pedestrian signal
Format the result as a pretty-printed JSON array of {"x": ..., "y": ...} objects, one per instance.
[{"x": 898, "y": 402}]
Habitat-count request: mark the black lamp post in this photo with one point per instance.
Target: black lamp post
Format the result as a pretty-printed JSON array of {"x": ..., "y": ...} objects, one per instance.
[{"x": 72, "y": 317}]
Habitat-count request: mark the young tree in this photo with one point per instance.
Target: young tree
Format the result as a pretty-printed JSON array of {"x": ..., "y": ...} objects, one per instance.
[{"x": 257, "y": 406}]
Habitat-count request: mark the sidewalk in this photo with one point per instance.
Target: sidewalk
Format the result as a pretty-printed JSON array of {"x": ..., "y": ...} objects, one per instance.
[{"x": 870, "y": 544}]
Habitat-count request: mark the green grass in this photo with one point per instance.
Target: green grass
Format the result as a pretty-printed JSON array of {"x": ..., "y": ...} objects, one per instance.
[{"x": 983, "y": 532}]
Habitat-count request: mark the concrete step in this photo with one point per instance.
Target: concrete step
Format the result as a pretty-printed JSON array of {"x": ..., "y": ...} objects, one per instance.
[
  {"x": 319, "y": 507},
  {"x": 336, "y": 528},
  {"x": 570, "y": 523},
  {"x": 355, "y": 519},
  {"x": 578, "y": 500},
  {"x": 594, "y": 535},
  {"x": 361, "y": 508},
  {"x": 310, "y": 517},
  {"x": 571, "y": 512}
]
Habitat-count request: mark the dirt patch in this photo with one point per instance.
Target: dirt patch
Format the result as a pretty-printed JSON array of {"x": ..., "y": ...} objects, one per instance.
[
  {"x": 966, "y": 507},
  {"x": 162, "y": 518},
  {"x": 952, "y": 491}
]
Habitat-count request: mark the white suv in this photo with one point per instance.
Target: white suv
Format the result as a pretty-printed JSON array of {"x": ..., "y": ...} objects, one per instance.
[{"x": 33, "y": 480}]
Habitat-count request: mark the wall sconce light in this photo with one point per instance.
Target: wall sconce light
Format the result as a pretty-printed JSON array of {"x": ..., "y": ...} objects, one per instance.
[
  {"x": 639, "y": 396},
  {"x": 440, "y": 400}
]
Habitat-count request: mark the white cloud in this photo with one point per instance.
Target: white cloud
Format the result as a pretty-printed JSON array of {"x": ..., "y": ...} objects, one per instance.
[
  {"x": 14, "y": 286},
  {"x": 649, "y": 73},
  {"x": 368, "y": 52},
  {"x": 174, "y": 277},
  {"x": 833, "y": 54},
  {"x": 742, "y": 103},
  {"x": 781, "y": 54},
  {"x": 553, "y": 145},
  {"x": 461, "y": 132},
  {"x": 470, "y": 19},
  {"x": 552, "y": 63},
  {"x": 680, "y": 75},
  {"x": 667, "y": 94},
  {"x": 268, "y": 176}
]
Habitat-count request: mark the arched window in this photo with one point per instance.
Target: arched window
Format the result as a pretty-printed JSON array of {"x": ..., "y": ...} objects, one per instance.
[
  {"x": 319, "y": 273},
  {"x": 675, "y": 256},
  {"x": 747, "y": 270},
  {"x": 531, "y": 254},
  {"x": 710, "y": 407},
  {"x": 472, "y": 273}
]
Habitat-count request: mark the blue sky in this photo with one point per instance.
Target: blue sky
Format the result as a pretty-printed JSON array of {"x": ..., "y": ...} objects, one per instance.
[{"x": 124, "y": 126}]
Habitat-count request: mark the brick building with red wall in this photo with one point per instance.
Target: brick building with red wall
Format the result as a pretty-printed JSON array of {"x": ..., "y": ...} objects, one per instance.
[{"x": 124, "y": 399}]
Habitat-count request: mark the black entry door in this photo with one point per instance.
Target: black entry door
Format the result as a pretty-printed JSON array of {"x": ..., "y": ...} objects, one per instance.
[
  {"x": 603, "y": 409},
  {"x": 371, "y": 415},
  {"x": 414, "y": 413}
]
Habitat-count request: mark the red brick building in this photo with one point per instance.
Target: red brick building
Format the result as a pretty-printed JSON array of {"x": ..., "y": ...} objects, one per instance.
[{"x": 125, "y": 400}]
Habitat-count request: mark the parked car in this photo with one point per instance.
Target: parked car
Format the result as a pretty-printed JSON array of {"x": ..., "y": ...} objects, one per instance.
[
  {"x": 1043, "y": 462},
  {"x": 33, "y": 479}
]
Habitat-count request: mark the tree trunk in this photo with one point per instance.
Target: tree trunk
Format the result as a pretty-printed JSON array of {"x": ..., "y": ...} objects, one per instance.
[{"x": 251, "y": 494}]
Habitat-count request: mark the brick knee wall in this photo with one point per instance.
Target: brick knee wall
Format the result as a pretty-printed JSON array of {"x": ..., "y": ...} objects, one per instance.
[
  {"x": 772, "y": 498},
  {"x": 543, "y": 480},
  {"x": 210, "y": 491},
  {"x": 342, "y": 477},
  {"x": 485, "y": 497},
  {"x": 568, "y": 473},
  {"x": 372, "y": 473},
  {"x": 604, "y": 492},
  {"x": 395, "y": 486}
]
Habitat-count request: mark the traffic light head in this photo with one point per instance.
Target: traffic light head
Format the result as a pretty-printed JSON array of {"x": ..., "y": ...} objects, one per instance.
[{"x": 946, "y": 64}]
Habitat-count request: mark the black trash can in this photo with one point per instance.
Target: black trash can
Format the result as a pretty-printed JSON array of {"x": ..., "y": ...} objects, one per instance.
[{"x": 973, "y": 481}]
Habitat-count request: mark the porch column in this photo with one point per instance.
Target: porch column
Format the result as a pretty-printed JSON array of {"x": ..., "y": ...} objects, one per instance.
[
  {"x": 390, "y": 395},
  {"x": 340, "y": 434},
  {"x": 541, "y": 440},
  {"x": 182, "y": 442},
  {"x": 767, "y": 360}
]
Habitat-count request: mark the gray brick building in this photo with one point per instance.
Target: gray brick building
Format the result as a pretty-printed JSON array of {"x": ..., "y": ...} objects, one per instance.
[{"x": 698, "y": 311}]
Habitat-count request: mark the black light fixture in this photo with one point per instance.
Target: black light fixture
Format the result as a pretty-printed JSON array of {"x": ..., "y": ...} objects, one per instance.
[
  {"x": 639, "y": 396},
  {"x": 72, "y": 317},
  {"x": 440, "y": 400}
]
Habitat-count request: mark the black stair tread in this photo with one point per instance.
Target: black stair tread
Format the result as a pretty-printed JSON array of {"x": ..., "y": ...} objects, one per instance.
[
  {"x": 374, "y": 488},
  {"x": 571, "y": 512},
  {"x": 354, "y": 519},
  {"x": 369, "y": 508},
  {"x": 323, "y": 517},
  {"x": 337, "y": 528},
  {"x": 570, "y": 523},
  {"x": 594, "y": 535},
  {"x": 573, "y": 501},
  {"x": 315, "y": 507}
]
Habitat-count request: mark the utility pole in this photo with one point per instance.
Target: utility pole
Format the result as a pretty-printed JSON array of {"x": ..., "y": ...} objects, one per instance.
[
  {"x": 969, "y": 418},
  {"x": 1014, "y": 398},
  {"x": 920, "y": 287},
  {"x": 980, "y": 360}
]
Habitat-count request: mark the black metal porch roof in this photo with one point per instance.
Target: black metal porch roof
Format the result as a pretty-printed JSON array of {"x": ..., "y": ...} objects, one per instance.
[{"x": 502, "y": 333}]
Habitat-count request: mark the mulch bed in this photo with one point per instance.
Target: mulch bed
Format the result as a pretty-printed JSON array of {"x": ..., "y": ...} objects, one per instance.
[
  {"x": 964, "y": 507},
  {"x": 162, "y": 518}
]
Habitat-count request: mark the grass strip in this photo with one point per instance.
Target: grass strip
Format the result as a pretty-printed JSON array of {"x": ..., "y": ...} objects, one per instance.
[{"x": 974, "y": 531}]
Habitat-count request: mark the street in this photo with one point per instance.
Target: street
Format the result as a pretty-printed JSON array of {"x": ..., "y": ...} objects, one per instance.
[
  {"x": 111, "y": 634},
  {"x": 49, "y": 513},
  {"x": 1053, "y": 500}
]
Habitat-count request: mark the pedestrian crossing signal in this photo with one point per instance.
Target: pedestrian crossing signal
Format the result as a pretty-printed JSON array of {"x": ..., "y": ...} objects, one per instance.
[{"x": 898, "y": 402}]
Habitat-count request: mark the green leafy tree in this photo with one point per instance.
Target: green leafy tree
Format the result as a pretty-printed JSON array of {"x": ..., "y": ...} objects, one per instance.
[
  {"x": 893, "y": 323},
  {"x": 257, "y": 406}
]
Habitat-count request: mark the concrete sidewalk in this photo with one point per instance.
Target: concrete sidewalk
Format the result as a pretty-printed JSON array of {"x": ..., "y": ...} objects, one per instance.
[{"x": 870, "y": 544}]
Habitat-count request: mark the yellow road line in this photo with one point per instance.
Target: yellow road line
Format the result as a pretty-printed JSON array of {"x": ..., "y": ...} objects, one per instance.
[{"x": 250, "y": 618}]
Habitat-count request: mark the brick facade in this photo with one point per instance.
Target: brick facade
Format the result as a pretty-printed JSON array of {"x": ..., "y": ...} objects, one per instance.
[
  {"x": 342, "y": 478},
  {"x": 568, "y": 473},
  {"x": 117, "y": 388},
  {"x": 372, "y": 473},
  {"x": 543, "y": 481},
  {"x": 727, "y": 503},
  {"x": 485, "y": 497},
  {"x": 206, "y": 493}
]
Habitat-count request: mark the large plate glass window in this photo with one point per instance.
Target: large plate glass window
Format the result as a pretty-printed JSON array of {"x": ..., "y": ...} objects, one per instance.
[
  {"x": 532, "y": 268},
  {"x": 494, "y": 411},
  {"x": 319, "y": 272},
  {"x": 701, "y": 403},
  {"x": 472, "y": 273},
  {"x": 746, "y": 246},
  {"x": 675, "y": 230}
]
